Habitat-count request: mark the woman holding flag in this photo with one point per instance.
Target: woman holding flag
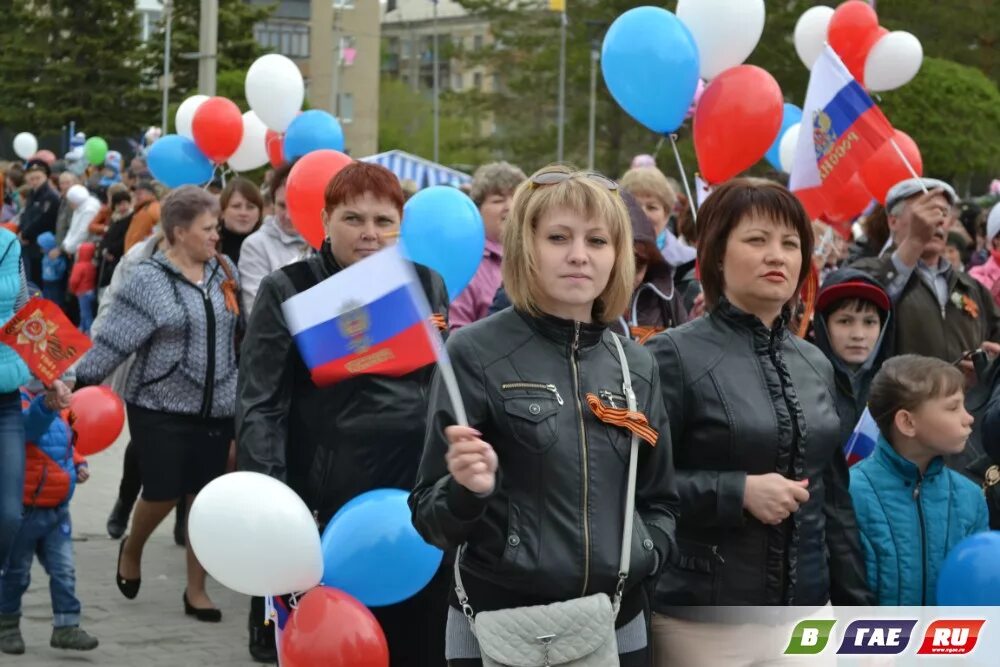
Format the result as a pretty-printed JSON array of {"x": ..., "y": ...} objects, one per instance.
[
  {"x": 766, "y": 516},
  {"x": 536, "y": 484},
  {"x": 332, "y": 437}
]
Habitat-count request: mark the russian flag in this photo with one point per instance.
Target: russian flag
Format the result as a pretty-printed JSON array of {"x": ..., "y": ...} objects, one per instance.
[
  {"x": 841, "y": 128},
  {"x": 862, "y": 442},
  {"x": 370, "y": 318}
]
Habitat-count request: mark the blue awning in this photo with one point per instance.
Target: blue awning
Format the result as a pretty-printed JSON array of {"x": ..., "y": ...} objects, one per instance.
[{"x": 423, "y": 172}]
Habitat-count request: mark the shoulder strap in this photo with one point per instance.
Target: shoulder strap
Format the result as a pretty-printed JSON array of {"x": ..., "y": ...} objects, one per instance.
[{"x": 633, "y": 465}]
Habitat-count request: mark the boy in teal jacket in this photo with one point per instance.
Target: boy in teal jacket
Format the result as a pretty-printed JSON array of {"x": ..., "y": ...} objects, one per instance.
[{"x": 911, "y": 509}]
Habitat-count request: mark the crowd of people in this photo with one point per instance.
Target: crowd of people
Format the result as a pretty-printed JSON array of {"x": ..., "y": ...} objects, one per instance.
[{"x": 611, "y": 352}]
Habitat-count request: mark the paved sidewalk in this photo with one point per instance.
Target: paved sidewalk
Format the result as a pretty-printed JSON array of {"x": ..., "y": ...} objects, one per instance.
[{"x": 150, "y": 630}]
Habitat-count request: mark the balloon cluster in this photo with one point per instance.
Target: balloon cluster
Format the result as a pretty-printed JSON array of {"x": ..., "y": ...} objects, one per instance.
[
  {"x": 653, "y": 61},
  {"x": 880, "y": 60},
  {"x": 95, "y": 149},
  {"x": 256, "y": 536}
]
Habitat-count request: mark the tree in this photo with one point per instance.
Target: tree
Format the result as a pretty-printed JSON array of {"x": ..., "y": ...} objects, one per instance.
[
  {"x": 51, "y": 51},
  {"x": 237, "y": 49}
]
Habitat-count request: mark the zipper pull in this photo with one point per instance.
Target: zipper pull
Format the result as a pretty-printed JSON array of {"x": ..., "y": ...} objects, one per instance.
[
  {"x": 916, "y": 490},
  {"x": 576, "y": 337},
  {"x": 555, "y": 390},
  {"x": 715, "y": 552},
  {"x": 604, "y": 393}
]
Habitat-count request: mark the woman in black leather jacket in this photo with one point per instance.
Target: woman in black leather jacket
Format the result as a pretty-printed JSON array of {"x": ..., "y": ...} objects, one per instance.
[
  {"x": 766, "y": 518},
  {"x": 535, "y": 485}
]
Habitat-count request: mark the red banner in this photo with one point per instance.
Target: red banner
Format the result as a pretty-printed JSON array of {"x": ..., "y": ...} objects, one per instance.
[{"x": 47, "y": 341}]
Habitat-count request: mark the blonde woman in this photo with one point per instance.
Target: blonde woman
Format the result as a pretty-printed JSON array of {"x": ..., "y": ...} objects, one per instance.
[{"x": 535, "y": 486}]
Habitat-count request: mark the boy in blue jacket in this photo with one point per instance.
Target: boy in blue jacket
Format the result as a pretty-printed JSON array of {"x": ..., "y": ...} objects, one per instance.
[
  {"x": 911, "y": 509},
  {"x": 51, "y": 473}
]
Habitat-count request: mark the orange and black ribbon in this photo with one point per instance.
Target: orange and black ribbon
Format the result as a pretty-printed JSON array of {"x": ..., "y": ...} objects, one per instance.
[
  {"x": 642, "y": 334},
  {"x": 636, "y": 422},
  {"x": 438, "y": 320}
]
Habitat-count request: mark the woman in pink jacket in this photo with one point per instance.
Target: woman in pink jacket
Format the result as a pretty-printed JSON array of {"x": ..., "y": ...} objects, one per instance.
[{"x": 988, "y": 273}]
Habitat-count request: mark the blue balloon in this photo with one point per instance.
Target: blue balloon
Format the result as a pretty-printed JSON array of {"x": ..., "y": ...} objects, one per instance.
[
  {"x": 372, "y": 551},
  {"x": 442, "y": 229},
  {"x": 175, "y": 161},
  {"x": 312, "y": 130},
  {"x": 970, "y": 575},
  {"x": 650, "y": 65},
  {"x": 790, "y": 116}
]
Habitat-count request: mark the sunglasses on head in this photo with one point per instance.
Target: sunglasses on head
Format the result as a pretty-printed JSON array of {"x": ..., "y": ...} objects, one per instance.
[{"x": 554, "y": 177}]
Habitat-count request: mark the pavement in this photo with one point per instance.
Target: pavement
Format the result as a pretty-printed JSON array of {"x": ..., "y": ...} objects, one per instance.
[{"x": 150, "y": 630}]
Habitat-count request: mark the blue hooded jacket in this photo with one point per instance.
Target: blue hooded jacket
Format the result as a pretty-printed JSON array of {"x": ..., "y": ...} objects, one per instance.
[{"x": 909, "y": 523}]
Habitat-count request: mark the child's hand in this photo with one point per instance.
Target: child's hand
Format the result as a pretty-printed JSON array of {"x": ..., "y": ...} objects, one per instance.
[
  {"x": 82, "y": 473},
  {"x": 57, "y": 396}
]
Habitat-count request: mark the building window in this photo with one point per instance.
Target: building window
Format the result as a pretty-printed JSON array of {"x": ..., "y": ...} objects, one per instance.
[
  {"x": 477, "y": 81},
  {"x": 348, "y": 50},
  {"x": 345, "y": 107},
  {"x": 289, "y": 39},
  {"x": 149, "y": 23},
  {"x": 477, "y": 42},
  {"x": 343, "y": 4}
]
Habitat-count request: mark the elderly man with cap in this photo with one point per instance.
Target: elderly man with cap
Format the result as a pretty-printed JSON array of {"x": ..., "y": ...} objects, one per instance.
[
  {"x": 38, "y": 217},
  {"x": 988, "y": 273},
  {"x": 940, "y": 312}
]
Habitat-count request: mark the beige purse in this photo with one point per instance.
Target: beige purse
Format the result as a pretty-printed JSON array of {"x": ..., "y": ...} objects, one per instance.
[{"x": 574, "y": 633}]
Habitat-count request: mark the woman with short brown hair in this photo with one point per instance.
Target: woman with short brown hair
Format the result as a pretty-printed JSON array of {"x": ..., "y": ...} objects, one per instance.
[{"x": 766, "y": 517}]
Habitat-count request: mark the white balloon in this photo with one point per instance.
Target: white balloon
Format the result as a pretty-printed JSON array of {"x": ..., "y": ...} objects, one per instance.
[
  {"x": 726, "y": 31},
  {"x": 275, "y": 90},
  {"x": 254, "y": 535},
  {"x": 185, "y": 115},
  {"x": 25, "y": 145},
  {"x": 788, "y": 146},
  {"x": 252, "y": 152},
  {"x": 810, "y": 33},
  {"x": 893, "y": 61}
]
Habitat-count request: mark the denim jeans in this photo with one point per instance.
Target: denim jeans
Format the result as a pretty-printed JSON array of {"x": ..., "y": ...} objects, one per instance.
[
  {"x": 87, "y": 301},
  {"x": 47, "y": 531},
  {"x": 55, "y": 292},
  {"x": 11, "y": 471}
]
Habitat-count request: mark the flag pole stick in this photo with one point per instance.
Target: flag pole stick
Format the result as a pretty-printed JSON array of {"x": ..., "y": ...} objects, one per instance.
[
  {"x": 684, "y": 178},
  {"x": 909, "y": 167},
  {"x": 451, "y": 385}
]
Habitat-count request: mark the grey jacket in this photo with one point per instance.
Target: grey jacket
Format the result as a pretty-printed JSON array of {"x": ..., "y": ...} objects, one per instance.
[
  {"x": 183, "y": 338},
  {"x": 266, "y": 250}
]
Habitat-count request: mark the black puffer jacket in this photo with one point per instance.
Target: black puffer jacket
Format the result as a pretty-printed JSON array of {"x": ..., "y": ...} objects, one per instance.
[
  {"x": 552, "y": 529},
  {"x": 746, "y": 400},
  {"x": 334, "y": 443}
]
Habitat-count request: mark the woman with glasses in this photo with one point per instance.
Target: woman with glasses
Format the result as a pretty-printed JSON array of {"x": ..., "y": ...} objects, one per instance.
[{"x": 535, "y": 484}]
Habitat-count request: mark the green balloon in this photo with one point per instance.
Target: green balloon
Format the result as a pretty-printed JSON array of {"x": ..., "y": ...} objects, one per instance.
[{"x": 95, "y": 150}]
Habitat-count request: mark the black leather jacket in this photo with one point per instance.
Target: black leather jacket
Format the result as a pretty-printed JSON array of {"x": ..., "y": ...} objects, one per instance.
[
  {"x": 552, "y": 529},
  {"x": 329, "y": 444},
  {"x": 746, "y": 400}
]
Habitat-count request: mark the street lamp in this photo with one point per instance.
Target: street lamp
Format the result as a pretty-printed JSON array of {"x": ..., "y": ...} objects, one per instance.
[{"x": 168, "y": 17}]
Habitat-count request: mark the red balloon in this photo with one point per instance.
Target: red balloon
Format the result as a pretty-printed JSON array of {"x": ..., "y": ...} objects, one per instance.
[
  {"x": 304, "y": 191},
  {"x": 97, "y": 416},
  {"x": 46, "y": 156},
  {"x": 852, "y": 33},
  {"x": 275, "y": 143},
  {"x": 849, "y": 202},
  {"x": 218, "y": 128},
  {"x": 737, "y": 120},
  {"x": 329, "y": 627},
  {"x": 884, "y": 168}
]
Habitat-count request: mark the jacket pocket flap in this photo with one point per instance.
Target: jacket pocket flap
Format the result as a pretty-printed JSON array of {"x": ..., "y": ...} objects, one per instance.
[
  {"x": 534, "y": 409},
  {"x": 552, "y": 634}
]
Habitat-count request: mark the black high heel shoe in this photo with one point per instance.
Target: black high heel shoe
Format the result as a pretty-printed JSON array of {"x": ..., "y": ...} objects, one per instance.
[
  {"x": 205, "y": 615},
  {"x": 128, "y": 587}
]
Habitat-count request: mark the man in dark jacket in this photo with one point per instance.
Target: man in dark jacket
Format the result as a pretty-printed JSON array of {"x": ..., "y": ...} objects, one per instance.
[
  {"x": 332, "y": 443},
  {"x": 39, "y": 216},
  {"x": 848, "y": 300},
  {"x": 940, "y": 312}
]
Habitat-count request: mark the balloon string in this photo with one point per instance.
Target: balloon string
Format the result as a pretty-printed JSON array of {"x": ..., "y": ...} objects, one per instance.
[
  {"x": 659, "y": 145},
  {"x": 684, "y": 178}
]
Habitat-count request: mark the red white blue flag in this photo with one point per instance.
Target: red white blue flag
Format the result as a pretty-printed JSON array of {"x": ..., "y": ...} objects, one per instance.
[
  {"x": 370, "y": 318},
  {"x": 841, "y": 128},
  {"x": 863, "y": 440}
]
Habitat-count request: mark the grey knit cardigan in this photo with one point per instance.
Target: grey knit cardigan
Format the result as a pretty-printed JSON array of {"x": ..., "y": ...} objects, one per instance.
[{"x": 182, "y": 335}]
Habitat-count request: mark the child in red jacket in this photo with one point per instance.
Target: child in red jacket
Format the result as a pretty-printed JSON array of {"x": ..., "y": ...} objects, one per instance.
[
  {"x": 51, "y": 473},
  {"x": 83, "y": 284}
]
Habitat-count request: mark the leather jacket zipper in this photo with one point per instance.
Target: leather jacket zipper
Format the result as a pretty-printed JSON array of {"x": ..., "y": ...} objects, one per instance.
[
  {"x": 611, "y": 397},
  {"x": 584, "y": 454},
  {"x": 923, "y": 541},
  {"x": 533, "y": 385}
]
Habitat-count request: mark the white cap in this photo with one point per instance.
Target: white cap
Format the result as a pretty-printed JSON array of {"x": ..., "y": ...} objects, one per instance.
[
  {"x": 77, "y": 194},
  {"x": 993, "y": 224}
]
